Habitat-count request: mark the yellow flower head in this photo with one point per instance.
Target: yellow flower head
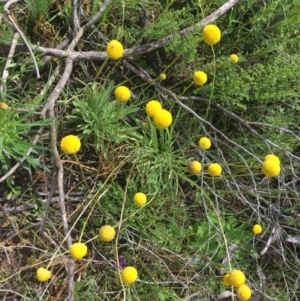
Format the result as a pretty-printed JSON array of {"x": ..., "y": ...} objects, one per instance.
[
  {"x": 114, "y": 49},
  {"x": 107, "y": 233},
  {"x": 200, "y": 78},
  {"x": 70, "y": 144},
  {"x": 152, "y": 107},
  {"x": 237, "y": 278},
  {"x": 194, "y": 167},
  {"x": 162, "y": 76},
  {"x": 211, "y": 34},
  {"x": 243, "y": 292},
  {"x": 162, "y": 119},
  {"x": 204, "y": 143},
  {"x": 226, "y": 280},
  {"x": 129, "y": 275},
  {"x": 3, "y": 105},
  {"x": 214, "y": 169},
  {"x": 272, "y": 157},
  {"x": 122, "y": 93},
  {"x": 43, "y": 274},
  {"x": 271, "y": 168},
  {"x": 257, "y": 229},
  {"x": 140, "y": 199},
  {"x": 234, "y": 58},
  {"x": 78, "y": 250}
]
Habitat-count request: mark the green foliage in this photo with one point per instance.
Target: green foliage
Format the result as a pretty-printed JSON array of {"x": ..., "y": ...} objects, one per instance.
[{"x": 37, "y": 9}]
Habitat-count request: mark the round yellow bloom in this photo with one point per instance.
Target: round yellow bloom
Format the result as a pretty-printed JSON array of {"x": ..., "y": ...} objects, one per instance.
[
  {"x": 162, "y": 76},
  {"x": 200, "y": 78},
  {"x": 257, "y": 229},
  {"x": 226, "y": 280},
  {"x": 271, "y": 168},
  {"x": 272, "y": 157},
  {"x": 122, "y": 93},
  {"x": 237, "y": 278},
  {"x": 114, "y": 49},
  {"x": 152, "y": 107},
  {"x": 234, "y": 58},
  {"x": 195, "y": 167},
  {"x": 214, "y": 169},
  {"x": 162, "y": 119},
  {"x": 204, "y": 143},
  {"x": 243, "y": 292},
  {"x": 43, "y": 274},
  {"x": 78, "y": 250},
  {"x": 107, "y": 233},
  {"x": 140, "y": 199},
  {"x": 211, "y": 34},
  {"x": 129, "y": 275},
  {"x": 3, "y": 105},
  {"x": 70, "y": 144}
]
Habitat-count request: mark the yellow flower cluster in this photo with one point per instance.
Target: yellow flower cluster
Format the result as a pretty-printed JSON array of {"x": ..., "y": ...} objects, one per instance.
[
  {"x": 211, "y": 34},
  {"x": 43, "y": 274},
  {"x": 200, "y": 78},
  {"x": 237, "y": 279},
  {"x": 129, "y": 275},
  {"x": 204, "y": 143},
  {"x": 114, "y": 49},
  {"x": 162, "y": 76},
  {"x": 195, "y": 167},
  {"x": 161, "y": 117},
  {"x": 122, "y": 93},
  {"x": 107, "y": 233},
  {"x": 78, "y": 250},
  {"x": 140, "y": 199},
  {"x": 234, "y": 58},
  {"x": 271, "y": 166},
  {"x": 70, "y": 144},
  {"x": 257, "y": 229}
]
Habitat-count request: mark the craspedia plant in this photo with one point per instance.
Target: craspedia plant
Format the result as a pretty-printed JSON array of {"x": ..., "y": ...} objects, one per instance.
[
  {"x": 204, "y": 143},
  {"x": 211, "y": 34},
  {"x": 114, "y": 49},
  {"x": 122, "y": 93},
  {"x": 129, "y": 275},
  {"x": 233, "y": 58},
  {"x": 140, "y": 199},
  {"x": 70, "y": 144},
  {"x": 257, "y": 229},
  {"x": 200, "y": 78},
  {"x": 78, "y": 250},
  {"x": 272, "y": 157},
  {"x": 162, "y": 119},
  {"x": 162, "y": 76},
  {"x": 107, "y": 233},
  {"x": 195, "y": 167},
  {"x": 43, "y": 274},
  {"x": 237, "y": 278},
  {"x": 153, "y": 107},
  {"x": 271, "y": 168},
  {"x": 214, "y": 169},
  {"x": 226, "y": 279},
  {"x": 243, "y": 292}
]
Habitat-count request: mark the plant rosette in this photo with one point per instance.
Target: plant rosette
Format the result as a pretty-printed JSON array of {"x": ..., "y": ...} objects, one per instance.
[
  {"x": 78, "y": 250},
  {"x": 129, "y": 275},
  {"x": 140, "y": 199},
  {"x": 107, "y": 233},
  {"x": 43, "y": 274}
]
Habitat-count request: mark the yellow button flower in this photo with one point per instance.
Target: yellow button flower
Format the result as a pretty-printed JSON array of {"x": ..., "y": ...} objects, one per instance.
[
  {"x": 70, "y": 144},
  {"x": 129, "y": 275},
  {"x": 226, "y": 280},
  {"x": 257, "y": 229},
  {"x": 243, "y": 292},
  {"x": 272, "y": 157},
  {"x": 271, "y": 168},
  {"x": 162, "y": 119},
  {"x": 214, "y": 169},
  {"x": 195, "y": 167},
  {"x": 204, "y": 143},
  {"x": 114, "y": 49},
  {"x": 211, "y": 34},
  {"x": 122, "y": 93},
  {"x": 162, "y": 76},
  {"x": 234, "y": 58},
  {"x": 78, "y": 250},
  {"x": 200, "y": 78},
  {"x": 140, "y": 199},
  {"x": 3, "y": 105},
  {"x": 152, "y": 107},
  {"x": 43, "y": 274},
  {"x": 107, "y": 233},
  {"x": 237, "y": 278}
]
